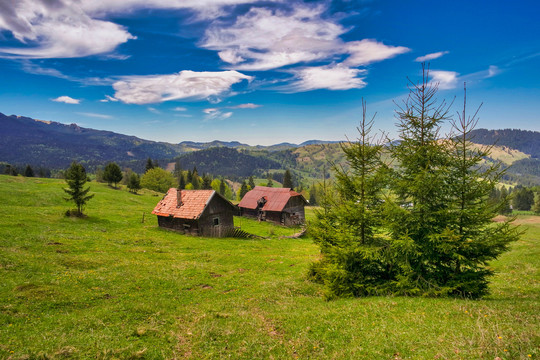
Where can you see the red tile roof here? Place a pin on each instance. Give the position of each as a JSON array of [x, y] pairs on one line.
[[193, 203], [276, 198]]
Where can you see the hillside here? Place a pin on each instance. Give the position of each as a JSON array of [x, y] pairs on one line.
[[110, 286], [51, 144], [525, 141]]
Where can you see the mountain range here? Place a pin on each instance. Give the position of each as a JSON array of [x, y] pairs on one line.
[[54, 145]]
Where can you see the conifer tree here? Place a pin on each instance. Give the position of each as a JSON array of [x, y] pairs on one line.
[[348, 229], [181, 181], [222, 187], [287, 180], [251, 182], [75, 177], [134, 183], [112, 174], [243, 190], [149, 164], [28, 172], [206, 182], [195, 180]]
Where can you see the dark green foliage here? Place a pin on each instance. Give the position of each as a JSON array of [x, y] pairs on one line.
[[28, 172], [523, 199], [10, 170], [195, 180], [75, 177], [206, 182], [434, 235], [349, 227], [523, 140], [149, 165], [134, 183], [243, 190], [287, 180], [536, 206], [251, 182], [270, 183], [222, 187], [181, 181], [112, 174], [227, 162]]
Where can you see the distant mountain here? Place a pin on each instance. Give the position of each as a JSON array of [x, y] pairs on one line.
[[523, 140], [216, 143], [50, 144]]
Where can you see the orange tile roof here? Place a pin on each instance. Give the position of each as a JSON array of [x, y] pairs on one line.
[[193, 203], [276, 198]]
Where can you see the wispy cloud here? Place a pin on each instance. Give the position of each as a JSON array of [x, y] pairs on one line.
[[216, 114], [179, 108], [109, 98], [154, 110], [331, 77], [431, 56], [245, 106], [184, 85], [67, 100], [445, 79], [100, 116], [367, 51]]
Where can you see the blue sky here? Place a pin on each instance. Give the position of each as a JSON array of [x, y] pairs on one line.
[[262, 72]]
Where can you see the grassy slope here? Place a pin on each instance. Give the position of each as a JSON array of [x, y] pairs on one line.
[[110, 286]]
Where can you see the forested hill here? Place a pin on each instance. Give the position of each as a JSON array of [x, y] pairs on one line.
[[55, 145], [523, 140]]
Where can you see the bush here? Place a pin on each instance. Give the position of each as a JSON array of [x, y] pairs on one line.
[[158, 179]]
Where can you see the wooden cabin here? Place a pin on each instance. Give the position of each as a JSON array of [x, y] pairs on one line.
[[196, 212], [279, 205]]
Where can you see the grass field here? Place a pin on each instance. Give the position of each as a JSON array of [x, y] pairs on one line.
[[110, 286]]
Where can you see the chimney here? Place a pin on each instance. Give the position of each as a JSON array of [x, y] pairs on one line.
[[178, 197]]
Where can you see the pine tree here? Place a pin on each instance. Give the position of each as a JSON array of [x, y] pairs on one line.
[[523, 199], [181, 181], [75, 177], [505, 208], [251, 182], [287, 180], [270, 183], [149, 164], [112, 174], [134, 183], [195, 180], [222, 187], [471, 238], [243, 190], [206, 182], [28, 172], [348, 229]]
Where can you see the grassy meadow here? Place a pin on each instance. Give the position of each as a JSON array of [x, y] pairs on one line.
[[113, 287]]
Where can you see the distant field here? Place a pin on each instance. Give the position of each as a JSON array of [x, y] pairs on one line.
[[110, 286]]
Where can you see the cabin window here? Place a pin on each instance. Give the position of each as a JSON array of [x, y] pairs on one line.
[[216, 221]]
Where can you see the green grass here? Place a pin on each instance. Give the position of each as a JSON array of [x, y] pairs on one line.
[[110, 286]]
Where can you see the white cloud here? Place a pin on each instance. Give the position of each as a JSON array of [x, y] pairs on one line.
[[265, 39], [67, 100], [368, 51], [109, 98], [216, 114], [445, 79], [245, 106], [57, 29], [493, 71], [184, 85], [431, 56], [179, 108], [101, 116], [331, 77]]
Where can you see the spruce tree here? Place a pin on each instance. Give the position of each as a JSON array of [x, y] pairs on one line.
[[112, 174], [206, 182], [349, 228], [243, 190], [134, 183], [28, 172], [149, 164], [195, 180], [287, 180], [251, 182], [75, 177], [471, 239], [222, 187]]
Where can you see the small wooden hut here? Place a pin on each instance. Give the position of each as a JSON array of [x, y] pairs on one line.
[[196, 212], [279, 205]]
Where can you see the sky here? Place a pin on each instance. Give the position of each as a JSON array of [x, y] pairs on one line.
[[264, 71]]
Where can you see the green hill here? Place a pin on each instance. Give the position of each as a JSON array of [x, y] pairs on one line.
[[110, 286]]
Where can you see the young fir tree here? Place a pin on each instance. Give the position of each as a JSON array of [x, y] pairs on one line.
[[112, 174], [134, 183], [206, 182], [420, 216], [149, 165], [287, 179], [348, 229], [222, 187], [471, 239], [270, 183], [195, 180], [243, 190], [28, 172], [251, 182], [75, 177]]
